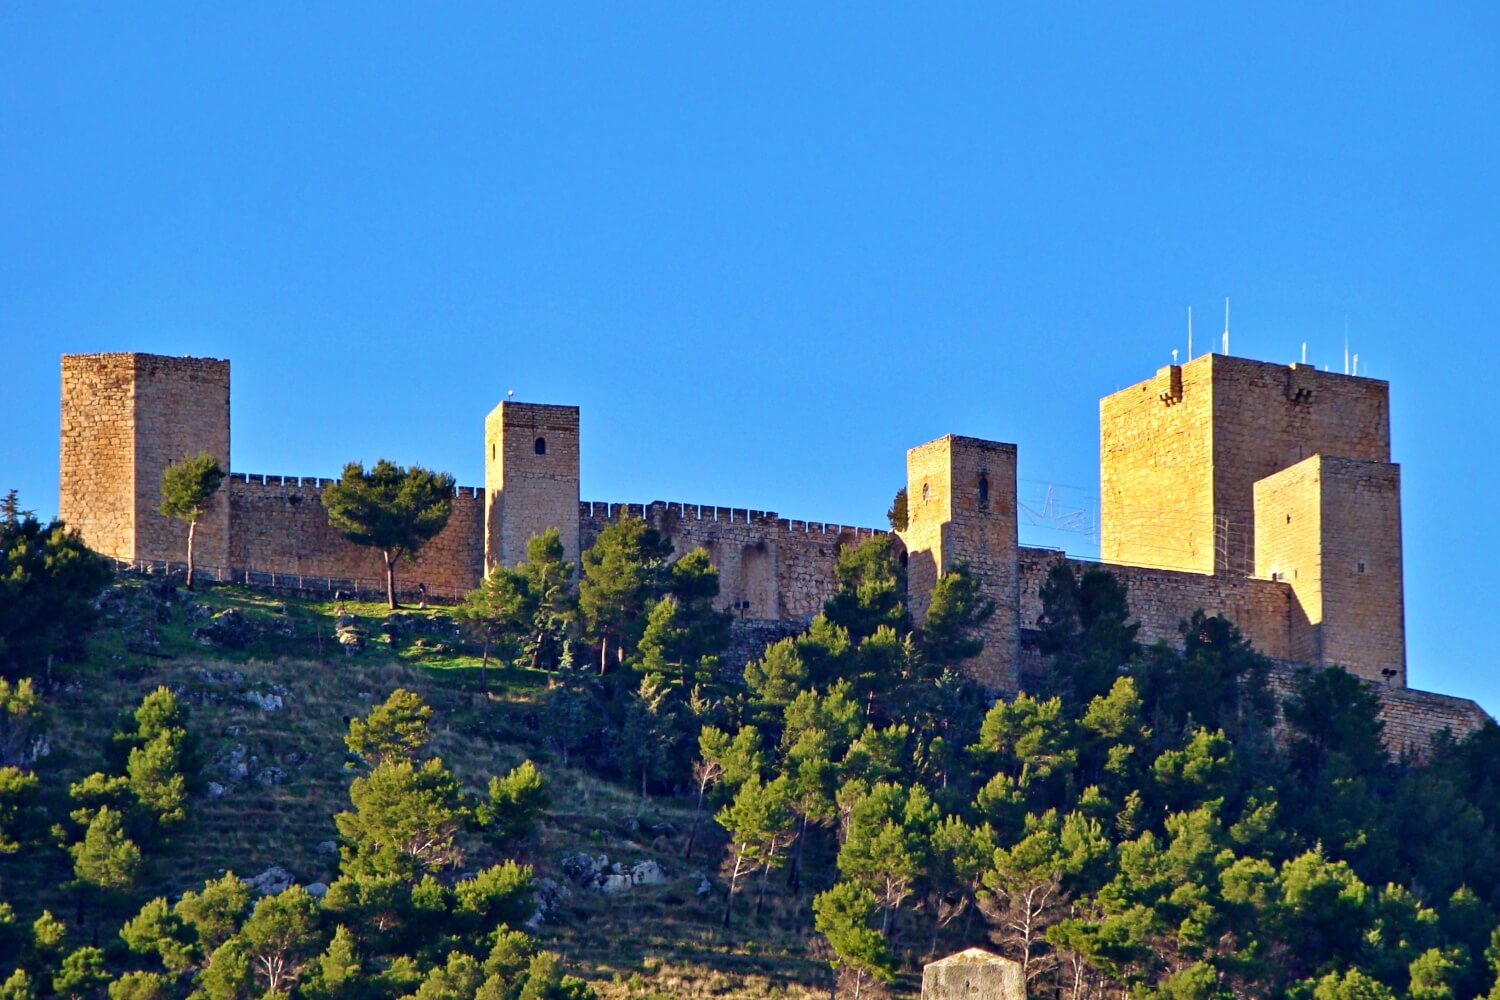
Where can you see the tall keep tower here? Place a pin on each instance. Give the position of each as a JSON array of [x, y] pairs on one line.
[[530, 479], [1234, 467], [124, 418], [961, 507], [1180, 454]]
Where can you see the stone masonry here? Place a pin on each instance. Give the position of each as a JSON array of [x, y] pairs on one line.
[[125, 417], [1258, 491]]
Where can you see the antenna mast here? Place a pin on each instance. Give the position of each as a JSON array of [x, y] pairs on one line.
[[1190, 333], [1226, 324]]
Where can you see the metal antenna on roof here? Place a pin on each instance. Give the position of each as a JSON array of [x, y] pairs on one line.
[[1304, 352], [1190, 333], [1226, 324]]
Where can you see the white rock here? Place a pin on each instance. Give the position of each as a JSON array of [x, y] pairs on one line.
[[265, 702], [612, 884], [647, 873], [273, 880]]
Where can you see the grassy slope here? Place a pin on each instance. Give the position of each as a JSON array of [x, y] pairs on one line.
[[659, 939]]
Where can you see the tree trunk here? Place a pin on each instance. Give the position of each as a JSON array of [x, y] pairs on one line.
[[192, 527], [734, 878], [484, 667], [794, 869], [603, 653], [390, 581], [687, 852]]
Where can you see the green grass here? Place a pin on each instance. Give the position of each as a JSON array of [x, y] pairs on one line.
[[659, 940]]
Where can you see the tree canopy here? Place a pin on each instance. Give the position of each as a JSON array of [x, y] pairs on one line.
[[188, 487], [392, 508]]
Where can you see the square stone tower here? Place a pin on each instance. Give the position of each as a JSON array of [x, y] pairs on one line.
[[124, 418], [1180, 454], [1331, 529], [530, 479], [961, 507]]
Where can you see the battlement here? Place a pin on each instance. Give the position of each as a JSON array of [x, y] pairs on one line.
[[254, 479], [601, 511]]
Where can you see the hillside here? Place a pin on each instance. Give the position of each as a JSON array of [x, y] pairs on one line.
[[271, 714], [1178, 819]]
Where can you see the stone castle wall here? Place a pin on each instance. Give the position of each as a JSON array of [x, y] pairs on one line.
[[278, 524], [769, 567], [1160, 599], [1412, 718]]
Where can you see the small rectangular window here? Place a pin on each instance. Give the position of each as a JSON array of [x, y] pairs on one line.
[[1361, 567]]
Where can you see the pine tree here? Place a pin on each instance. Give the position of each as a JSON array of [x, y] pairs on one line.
[[188, 489], [281, 937], [404, 821], [396, 729], [391, 508], [843, 915], [758, 822], [622, 573]]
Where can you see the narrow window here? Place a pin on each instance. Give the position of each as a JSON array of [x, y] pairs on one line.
[[1361, 567], [1289, 519], [492, 453], [541, 446], [984, 490], [924, 491]]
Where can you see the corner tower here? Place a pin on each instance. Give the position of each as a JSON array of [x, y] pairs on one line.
[[1330, 528], [961, 507], [124, 418], [530, 479]]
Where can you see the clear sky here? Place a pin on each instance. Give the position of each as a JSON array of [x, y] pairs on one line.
[[765, 247]]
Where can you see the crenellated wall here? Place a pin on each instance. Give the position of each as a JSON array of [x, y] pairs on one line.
[[277, 524], [769, 567], [1161, 598]]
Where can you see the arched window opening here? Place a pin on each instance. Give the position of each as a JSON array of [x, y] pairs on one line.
[[541, 446], [925, 491], [984, 490]]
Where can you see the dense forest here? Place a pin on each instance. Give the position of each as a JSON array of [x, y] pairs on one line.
[[1147, 821]]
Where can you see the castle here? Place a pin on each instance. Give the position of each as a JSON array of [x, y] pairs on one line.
[[1261, 492]]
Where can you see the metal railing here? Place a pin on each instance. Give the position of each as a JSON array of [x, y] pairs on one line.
[[354, 589]]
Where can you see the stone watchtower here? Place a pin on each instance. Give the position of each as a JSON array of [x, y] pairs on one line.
[[530, 479], [124, 418], [961, 507], [1233, 467]]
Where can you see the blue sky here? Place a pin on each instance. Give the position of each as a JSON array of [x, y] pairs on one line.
[[766, 248]]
